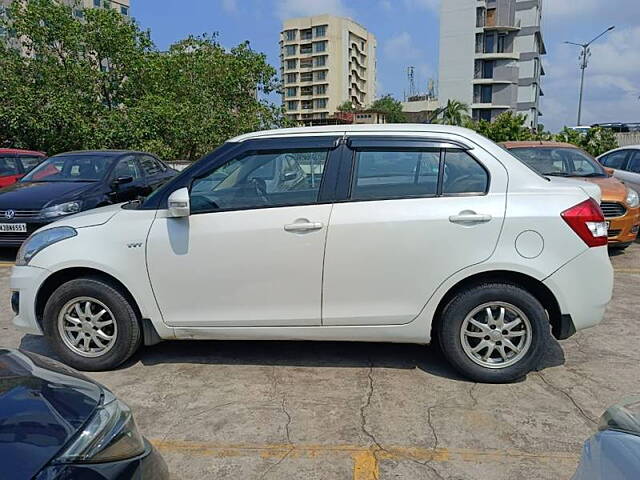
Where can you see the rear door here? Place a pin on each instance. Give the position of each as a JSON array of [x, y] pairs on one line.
[[631, 174], [412, 214]]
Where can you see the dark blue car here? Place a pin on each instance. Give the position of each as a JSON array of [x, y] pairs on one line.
[[55, 423], [75, 181]]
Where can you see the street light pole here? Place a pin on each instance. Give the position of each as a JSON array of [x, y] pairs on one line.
[[584, 63]]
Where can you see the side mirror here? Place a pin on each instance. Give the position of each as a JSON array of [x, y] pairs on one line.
[[122, 181], [610, 171], [178, 203]]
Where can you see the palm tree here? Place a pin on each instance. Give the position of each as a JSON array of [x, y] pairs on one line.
[[454, 112]]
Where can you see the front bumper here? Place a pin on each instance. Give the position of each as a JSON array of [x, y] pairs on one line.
[[624, 229], [583, 288], [25, 283], [15, 239], [149, 465]]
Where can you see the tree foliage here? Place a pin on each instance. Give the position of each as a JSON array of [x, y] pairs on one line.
[[100, 82], [454, 112], [391, 107], [346, 107]]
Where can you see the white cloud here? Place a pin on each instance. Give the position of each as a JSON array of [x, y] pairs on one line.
[[230, 6], [303, 8], [612, 82], [401, 47]]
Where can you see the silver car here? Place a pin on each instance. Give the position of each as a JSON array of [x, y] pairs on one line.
[[625, 162]]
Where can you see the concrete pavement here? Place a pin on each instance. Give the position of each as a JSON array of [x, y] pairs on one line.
[[302, 410]]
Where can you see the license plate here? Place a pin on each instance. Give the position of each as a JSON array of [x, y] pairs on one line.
[[13, 227], [608, 225]]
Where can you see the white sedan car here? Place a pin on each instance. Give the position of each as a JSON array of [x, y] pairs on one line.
[[625, 162], [391, 233]]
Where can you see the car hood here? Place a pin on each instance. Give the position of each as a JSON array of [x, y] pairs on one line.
[[590, 188], [37, 195], [613, 190], [89, 218], [43, 404]]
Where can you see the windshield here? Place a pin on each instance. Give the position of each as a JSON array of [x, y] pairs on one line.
[[70, 168], [559, 161]]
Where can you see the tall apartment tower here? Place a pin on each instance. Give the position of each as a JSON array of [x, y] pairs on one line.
[[490, 56], [326, 61], [122, 6]]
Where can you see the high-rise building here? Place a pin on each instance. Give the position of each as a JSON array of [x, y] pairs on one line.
[[490, 56], [326, 61]]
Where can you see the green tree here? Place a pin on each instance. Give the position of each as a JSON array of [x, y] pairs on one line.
[[454, 112], [100, 83], [391, 107], [596, 141], [346, 107]]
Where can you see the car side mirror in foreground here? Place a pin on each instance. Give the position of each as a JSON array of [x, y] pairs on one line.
[[178, 203]]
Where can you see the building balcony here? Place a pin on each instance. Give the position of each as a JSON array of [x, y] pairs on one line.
[[497, 56], [491, 81], [486, 106]]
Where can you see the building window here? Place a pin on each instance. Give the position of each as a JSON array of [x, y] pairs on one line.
[[292, 77], [96, 3], [502, 40], [321, 30], [124, 10], [106, 4], [489, 43], [319, 46], [306, 63], [485, 115], [306, 34], [487, 68], [479, 42], [321, 103], [480, 17], [486, 93], [290, 50], [321, 61], [307, 104], [306, 77], [304, 49], [306, 91], [321, 75], [292, 105], [290, 35], [321, 89], [292, 91], [291, 64], [78, 13]]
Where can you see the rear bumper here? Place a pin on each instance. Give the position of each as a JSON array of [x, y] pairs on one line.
[[583, 288]]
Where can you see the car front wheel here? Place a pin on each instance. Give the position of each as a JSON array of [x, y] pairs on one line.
[[494, 333], [91, 324]]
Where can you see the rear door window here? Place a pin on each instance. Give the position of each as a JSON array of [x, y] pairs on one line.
[[463, 174], [615, 160], [634, 163], [150, 165], [30, 162], [9, 166]]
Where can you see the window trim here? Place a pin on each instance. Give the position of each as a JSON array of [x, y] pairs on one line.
[[354, 144], [625, 163]]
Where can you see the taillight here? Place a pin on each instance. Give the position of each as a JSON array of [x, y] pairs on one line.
[[587, 220]]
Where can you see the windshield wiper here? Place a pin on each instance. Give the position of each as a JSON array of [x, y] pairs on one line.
[[556, 174], [593, 174]]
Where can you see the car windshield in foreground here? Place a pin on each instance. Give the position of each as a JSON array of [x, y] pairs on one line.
[[71, 168], [559, 161]]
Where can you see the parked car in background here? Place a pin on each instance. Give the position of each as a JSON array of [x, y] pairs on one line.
[[59, 424], [625, 164], [384, 233], [76, 181], [620, 204], [15, 164], [614, 451]]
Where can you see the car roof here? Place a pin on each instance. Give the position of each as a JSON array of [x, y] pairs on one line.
[[102, 153], [14, 151], [537, 144], [626, 147], [395, 128]]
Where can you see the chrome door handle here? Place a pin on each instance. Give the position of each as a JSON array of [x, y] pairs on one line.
[[303, 227], [470, 218]]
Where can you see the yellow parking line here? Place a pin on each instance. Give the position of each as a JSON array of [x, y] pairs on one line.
[[626, 270], [365, 460], [6, 264]]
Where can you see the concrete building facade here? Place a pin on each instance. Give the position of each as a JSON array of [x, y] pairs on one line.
[[490, 56], [326, 61]]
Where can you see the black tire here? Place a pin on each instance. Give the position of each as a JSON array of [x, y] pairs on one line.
[[128, 336], [453, 317]]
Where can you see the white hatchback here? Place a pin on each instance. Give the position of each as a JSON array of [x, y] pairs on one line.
[[384, 233]]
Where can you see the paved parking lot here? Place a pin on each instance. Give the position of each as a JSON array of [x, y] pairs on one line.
[[286, 410]]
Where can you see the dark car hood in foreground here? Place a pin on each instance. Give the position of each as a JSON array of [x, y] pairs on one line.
[[42, 405], [36, 195]]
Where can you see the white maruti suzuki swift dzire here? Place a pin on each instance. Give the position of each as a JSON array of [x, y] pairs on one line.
[[376, 233]]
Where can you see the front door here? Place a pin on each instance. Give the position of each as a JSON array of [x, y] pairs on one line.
[[251, 252], [631, 174], [127, 181], [417, 213]]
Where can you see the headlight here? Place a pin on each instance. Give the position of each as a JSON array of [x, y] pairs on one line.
[[41, 240], [61, 210], [633, 200], [110, 435]]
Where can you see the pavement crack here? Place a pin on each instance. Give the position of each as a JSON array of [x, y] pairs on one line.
[[275, 465], [434, 433], [363, 418], [472, 395], [568, 395], [288, 424]]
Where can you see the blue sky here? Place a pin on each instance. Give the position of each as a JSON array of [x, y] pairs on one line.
[[407, 33]]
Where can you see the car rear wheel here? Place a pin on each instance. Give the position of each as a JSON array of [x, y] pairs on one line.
[[91, 324], [494, 333]]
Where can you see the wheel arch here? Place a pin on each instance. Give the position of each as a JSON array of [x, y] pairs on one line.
[[59, 277], [534, 286]]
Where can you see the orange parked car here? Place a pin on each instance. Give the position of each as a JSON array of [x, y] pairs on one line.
[[620, 204]]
